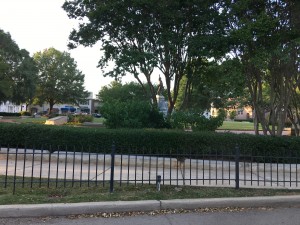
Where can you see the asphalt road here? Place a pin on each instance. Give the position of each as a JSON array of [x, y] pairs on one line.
[[227, 216]]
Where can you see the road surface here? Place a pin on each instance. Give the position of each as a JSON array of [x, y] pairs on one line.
[[227, 216]]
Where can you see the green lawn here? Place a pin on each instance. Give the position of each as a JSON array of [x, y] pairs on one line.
[[227, 125], [42, 120], [98, 120], [27, 120], [67, 194], [233, 125]]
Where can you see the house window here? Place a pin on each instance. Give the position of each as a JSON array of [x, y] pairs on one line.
[[240, 112], [84, 103]]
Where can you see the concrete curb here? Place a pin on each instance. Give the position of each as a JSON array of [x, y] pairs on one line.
[[245, 202], [61, 209]]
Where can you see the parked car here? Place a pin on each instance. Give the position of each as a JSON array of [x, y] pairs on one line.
[[97, 115]]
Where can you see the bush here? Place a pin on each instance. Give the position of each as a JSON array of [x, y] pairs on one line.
[[25, 113], [9, 114], [250, 120], [131, 114], [232, 114], [52, 115], [147, 141], [196, 121], [79, 118]]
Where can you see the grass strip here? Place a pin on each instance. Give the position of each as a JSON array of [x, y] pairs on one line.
[[36, 192]]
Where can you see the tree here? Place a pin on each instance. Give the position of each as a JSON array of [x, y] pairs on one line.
[[265, 38], [25, 80], [117, 91], [141, 35], [59, 79], [18, 73], [211, 83], [127, 106], [9, 59]]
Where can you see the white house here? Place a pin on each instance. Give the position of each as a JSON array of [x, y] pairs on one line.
[[89, 106], [10, 107]]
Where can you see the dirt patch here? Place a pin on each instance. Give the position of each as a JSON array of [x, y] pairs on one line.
[[7, 121]]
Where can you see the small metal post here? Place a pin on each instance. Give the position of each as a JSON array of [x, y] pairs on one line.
[[112, 168], [158, 181], [237, 166]]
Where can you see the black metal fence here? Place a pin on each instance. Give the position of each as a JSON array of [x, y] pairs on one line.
[[22, 167]]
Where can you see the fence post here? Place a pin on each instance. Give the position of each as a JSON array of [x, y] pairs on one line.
[[158, 180], [112, 168], [237, 166]]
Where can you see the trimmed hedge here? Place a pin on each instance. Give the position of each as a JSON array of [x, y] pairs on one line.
[[9, 114], [148, 141]]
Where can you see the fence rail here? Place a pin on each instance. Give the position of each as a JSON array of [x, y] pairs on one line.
[[21, 167]]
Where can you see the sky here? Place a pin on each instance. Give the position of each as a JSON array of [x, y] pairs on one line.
[[39, 24]]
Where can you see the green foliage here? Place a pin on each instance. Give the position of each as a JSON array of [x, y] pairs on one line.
[[265, 39], [25, 113], [206, 82], [155, 34], [79, 118], [122, 92], [131, 114], [196, 121], [127, 106], [8, 57], [18, 73], [232, 114], [59, 79], [25, 80], [146, 141], [9, 114]]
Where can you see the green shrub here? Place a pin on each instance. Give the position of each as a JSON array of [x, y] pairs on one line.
[[9, 114], [25, 113], [232, 114], [131, 114], [147, 141], [79, 118], [196, 121], [52, 115]]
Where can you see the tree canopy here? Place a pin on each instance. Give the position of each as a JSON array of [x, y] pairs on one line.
[[127, 92], [259, 39], [18, 73], [265, 37], [59, 79], [211, 83], [139, 36]]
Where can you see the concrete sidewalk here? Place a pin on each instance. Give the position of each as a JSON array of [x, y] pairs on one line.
[[96, 168], [60, 209]]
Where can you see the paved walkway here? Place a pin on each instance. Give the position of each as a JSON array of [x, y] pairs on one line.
[[66, 165], [137, 169]]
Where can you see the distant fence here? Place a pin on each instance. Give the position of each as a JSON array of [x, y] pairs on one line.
[[22, 167]]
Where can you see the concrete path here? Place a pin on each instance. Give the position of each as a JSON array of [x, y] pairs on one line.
[[138, 169], [66, 165]]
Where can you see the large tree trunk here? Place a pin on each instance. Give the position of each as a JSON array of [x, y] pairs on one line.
[[254, 84], [187, 95], [255, 122], [51, 104]]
